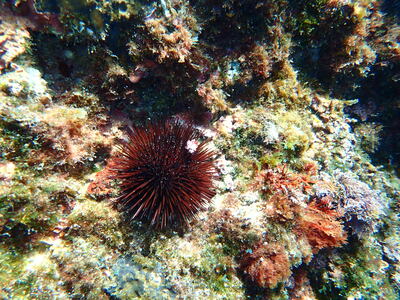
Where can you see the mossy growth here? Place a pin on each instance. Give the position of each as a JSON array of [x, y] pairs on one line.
[[369, 136], [249, 142], [228, 24], [32, 204], [97, 221], [285, 91], [316, 18], [356, 271], [217, 268], [233, 243], [89, 20], [205, 267], [32, 201], [16, 141], [11, 272], [270, 139], [140, 277], [297, 133], [309, 16], [82, 266], [272, 160], [28, 271]]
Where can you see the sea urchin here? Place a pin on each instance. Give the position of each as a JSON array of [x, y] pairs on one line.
[[166, 175]]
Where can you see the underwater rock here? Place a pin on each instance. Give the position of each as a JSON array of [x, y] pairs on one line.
[[362, 206], [307, 186], [14, 37], [134, 281]]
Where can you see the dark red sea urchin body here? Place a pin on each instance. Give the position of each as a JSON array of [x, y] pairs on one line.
[[164, 177]]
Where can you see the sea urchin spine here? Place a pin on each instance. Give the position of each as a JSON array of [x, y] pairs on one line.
[[166, 177]]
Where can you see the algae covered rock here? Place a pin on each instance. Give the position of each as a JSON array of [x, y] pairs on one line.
[[297, 101]]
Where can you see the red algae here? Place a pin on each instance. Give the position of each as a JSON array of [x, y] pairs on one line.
[[266, 265], [321, 227]]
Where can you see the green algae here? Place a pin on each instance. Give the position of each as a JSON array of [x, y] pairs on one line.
[[207, 266], [35, 203], [355, 272], [16, 141]]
